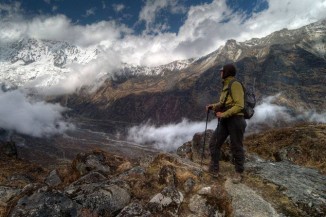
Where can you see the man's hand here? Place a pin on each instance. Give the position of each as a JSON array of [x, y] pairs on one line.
[[219, 114], [209, 107]]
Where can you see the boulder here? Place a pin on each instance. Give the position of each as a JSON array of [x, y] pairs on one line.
[[45, 203], [185, 150], [53, 179], [193, 149], [199, 206], [95, 193], [99, 161], [7, 193], [211, 201], [167, 202], [167, 176], [91, 162], [134, 209], [189, 185]]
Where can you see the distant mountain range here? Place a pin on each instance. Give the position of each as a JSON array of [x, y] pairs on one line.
[[291, 62]]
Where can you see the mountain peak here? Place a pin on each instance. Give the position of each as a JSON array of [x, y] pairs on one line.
[[29, 59]]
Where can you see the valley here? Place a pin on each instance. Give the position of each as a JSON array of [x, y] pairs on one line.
[[89, 134]]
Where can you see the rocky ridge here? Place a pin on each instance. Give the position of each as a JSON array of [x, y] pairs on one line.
[[98, 183]]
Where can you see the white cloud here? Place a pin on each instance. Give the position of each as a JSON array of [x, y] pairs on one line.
[[60, 28], [10, 9], [168, 137], [152, 8], [118, 7], [24, 116], [90, 12], [91, 74]]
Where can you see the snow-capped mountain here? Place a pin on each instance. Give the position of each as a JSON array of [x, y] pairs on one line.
[[44, 62], [157, 70], [311, 38], [31, 62]]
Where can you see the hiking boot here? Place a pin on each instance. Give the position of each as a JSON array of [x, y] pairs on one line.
[[237, 178]]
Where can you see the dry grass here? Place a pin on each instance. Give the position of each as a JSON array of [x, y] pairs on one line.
[[12, 166], [305, 145], [24, 171]]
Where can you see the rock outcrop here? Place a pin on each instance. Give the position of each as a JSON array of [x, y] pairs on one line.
[[101, 184]]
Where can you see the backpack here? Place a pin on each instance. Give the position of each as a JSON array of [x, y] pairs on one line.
[[249, 99]]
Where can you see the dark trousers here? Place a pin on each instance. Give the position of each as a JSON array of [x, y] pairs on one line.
[[234, 127]]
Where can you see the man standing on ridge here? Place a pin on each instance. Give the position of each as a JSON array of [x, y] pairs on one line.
[[231, 123]]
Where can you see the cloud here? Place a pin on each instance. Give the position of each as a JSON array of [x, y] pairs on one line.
[[313, 116], [92, 74], [60, 28], [168, 137], [152, 9], [10, 9], [34, 118], [118, 7], [54, 8], [267, 115], [90, 12]]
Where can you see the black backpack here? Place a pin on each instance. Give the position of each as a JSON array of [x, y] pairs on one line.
[[249, 99]]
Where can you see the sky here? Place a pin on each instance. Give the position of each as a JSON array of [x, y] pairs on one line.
[[148, 32]]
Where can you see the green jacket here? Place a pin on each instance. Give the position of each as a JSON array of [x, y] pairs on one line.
[[235, 103]]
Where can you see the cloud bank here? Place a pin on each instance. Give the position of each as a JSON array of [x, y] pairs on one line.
[[168, 137], [267, 115], [91, 75], [28, 117]]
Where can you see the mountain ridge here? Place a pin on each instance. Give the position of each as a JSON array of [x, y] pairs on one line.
[[285, 68], [55, 56]]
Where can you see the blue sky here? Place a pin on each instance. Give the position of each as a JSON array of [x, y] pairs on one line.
[[153, 32], [134, 13]]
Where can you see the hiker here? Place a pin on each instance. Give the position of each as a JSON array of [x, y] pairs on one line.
[[230, 123]]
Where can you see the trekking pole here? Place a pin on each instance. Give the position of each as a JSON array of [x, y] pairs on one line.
[[203, 149]]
